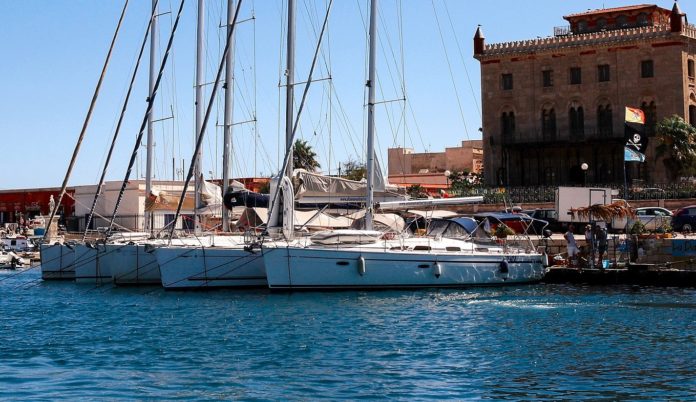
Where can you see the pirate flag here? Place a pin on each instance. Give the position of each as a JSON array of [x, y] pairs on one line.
[[634, 130]]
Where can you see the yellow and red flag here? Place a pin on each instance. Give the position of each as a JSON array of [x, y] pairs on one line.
[[635, 115]]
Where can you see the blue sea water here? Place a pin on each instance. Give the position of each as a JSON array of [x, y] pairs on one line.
[[548, 342]]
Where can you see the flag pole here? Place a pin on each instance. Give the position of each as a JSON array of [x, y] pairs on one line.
[[625, 197]]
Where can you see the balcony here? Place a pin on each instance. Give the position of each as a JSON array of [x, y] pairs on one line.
[[562, 31]]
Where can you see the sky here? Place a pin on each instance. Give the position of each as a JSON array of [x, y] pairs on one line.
[[428, 82]]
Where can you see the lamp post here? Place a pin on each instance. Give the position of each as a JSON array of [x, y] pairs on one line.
[[584, 168], [447, 176]]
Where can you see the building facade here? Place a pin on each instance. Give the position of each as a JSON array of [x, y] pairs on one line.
[[23, 204], [554, 105], [406, 168]]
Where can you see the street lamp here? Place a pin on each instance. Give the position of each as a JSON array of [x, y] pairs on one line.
[[447, 176], [584, 168]]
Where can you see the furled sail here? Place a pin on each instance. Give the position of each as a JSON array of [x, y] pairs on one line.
[[210, 198]]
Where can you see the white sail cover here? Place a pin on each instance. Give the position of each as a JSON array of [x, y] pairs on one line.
[[254, 217], [392, 222], [317, 185], [379, 182], [210, 198]]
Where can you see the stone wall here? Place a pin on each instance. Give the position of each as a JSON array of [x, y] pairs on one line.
[[530, 157]]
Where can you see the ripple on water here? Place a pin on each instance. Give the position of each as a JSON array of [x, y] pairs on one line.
[[61, 341]]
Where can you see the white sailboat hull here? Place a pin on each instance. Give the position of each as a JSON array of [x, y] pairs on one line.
[[121, 264], [57, 262], [344, 268], [89, 267], [130, 264], [209, 267]]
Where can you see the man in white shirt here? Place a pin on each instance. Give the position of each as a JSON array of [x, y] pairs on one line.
[[572, 246]]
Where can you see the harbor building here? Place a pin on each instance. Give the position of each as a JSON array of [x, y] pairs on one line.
[[19, 205], [554, 105], [428, 169]]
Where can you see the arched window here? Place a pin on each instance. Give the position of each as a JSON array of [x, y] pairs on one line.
[[643, 19], [605, 123], [548, 124], [582, 26], [501, 176], [650, 112], [507, 125], [690, 68], [576, 116], [692, 115], [550, 176], [601, 23], [621, 21]]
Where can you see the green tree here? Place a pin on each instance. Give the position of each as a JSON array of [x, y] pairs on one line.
[[677, 145], [417, 191], [303, 157], [353, 170], [464, 183]]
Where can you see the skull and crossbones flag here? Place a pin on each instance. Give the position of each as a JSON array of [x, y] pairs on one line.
[[634, 133]]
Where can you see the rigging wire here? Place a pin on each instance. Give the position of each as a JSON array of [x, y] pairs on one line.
[[280, 77], [120, 121], [206, 117], [255, 127], [150, 104], [87, 118], [288, 152], [176, 113], [449, 65], [461, 56]]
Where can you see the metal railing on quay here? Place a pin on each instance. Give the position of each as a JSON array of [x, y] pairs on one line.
[[547, 193]]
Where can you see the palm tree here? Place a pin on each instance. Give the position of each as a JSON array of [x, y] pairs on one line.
[[303, 157], [677, 144]]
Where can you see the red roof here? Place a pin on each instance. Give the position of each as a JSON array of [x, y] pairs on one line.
[[612, 10]]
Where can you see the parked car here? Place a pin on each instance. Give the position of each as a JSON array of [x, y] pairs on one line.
[[653, 218], [684, 220]]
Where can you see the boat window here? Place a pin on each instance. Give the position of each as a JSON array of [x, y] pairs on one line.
[[437, 227], [453, 248], [455, 231], [421, 248]]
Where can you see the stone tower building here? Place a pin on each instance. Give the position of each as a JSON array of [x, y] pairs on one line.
[[552, 104]]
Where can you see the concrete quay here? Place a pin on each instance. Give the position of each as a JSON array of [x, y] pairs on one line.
[[650, 262]]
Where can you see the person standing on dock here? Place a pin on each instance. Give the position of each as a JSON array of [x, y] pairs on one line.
[[601, 237], [572, 246]]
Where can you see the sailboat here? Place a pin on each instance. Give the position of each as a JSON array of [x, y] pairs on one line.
[[219, 260], [120, 257], [58, 259], [349, 259]]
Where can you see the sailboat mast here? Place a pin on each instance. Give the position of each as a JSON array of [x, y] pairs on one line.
[[200, 76], [229, 112], [289, 84], [150, 133], [371, 87]]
